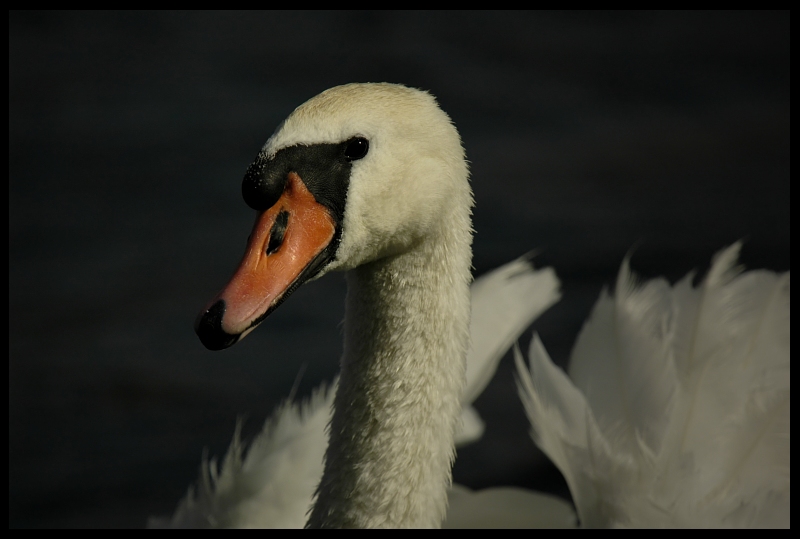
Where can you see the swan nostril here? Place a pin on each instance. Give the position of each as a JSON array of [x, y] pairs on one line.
[[278, 232]]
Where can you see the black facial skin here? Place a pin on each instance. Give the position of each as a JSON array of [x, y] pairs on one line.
[[325, 171]]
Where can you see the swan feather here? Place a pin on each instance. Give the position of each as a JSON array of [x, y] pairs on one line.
[[676, 411]]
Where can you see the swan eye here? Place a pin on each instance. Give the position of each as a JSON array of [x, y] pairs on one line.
[[356, 148]]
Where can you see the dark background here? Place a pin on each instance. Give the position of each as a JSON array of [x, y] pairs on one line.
[[129, 133]]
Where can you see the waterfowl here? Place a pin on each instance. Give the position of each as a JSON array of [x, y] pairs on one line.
[[370, 179]]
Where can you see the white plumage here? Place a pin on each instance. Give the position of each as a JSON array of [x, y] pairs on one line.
[[676, 409], [677, 413]]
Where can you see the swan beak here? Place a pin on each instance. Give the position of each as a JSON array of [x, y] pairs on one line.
[[290, 243]]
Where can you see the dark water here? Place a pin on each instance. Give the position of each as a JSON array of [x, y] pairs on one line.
[[129, 133]]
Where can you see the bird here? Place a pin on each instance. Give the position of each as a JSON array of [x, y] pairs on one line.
[[370, 179], [675, 411]]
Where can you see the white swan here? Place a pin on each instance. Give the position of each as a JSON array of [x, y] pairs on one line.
[[371, 179], [676, 411]]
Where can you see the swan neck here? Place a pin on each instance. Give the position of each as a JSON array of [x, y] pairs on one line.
[[390, 455]]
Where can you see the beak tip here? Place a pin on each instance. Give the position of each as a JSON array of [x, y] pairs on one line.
[[208, 327]]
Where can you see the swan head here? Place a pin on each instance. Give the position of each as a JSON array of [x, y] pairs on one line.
[[358, 173]]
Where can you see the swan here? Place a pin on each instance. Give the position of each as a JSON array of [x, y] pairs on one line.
[[370, 179], [675, 412]]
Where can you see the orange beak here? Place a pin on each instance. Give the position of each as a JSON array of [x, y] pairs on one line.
[[288, 246]]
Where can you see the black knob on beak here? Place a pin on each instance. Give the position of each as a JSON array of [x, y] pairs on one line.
[[263, 184]]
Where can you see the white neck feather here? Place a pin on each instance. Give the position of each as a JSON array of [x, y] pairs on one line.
[[389, 459]]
